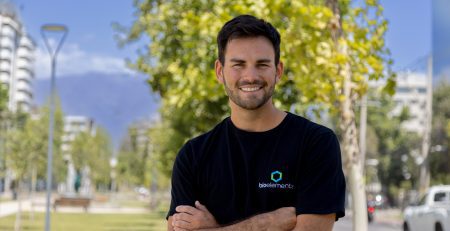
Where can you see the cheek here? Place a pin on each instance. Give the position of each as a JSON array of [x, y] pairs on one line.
[[232, 74]]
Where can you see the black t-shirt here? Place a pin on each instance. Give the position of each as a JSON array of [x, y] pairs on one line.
[[237, 174]]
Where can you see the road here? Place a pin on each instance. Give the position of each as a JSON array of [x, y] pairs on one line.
[[345, 224]]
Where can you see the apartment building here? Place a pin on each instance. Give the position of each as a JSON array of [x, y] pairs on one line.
[[16, 59]]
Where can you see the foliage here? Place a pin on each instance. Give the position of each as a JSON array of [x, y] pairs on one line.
[[139, 160], [92, 149], [27, 144], [3, 99], [392, 145], [133, 158], [440, 136], [180, 56]]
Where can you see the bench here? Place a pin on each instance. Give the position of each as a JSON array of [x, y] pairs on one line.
[[72, 201]]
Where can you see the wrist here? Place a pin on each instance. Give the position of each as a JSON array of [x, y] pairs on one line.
[[261, 221]]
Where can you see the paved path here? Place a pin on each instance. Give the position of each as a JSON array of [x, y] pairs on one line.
[[38, 205], [385, 220], [11, 207], [346, 225]]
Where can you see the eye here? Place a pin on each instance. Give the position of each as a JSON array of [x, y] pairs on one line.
[[238, 65], [263, 65]]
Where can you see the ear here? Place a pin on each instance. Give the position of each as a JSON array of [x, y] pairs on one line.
[[280, 69], [219, 71]]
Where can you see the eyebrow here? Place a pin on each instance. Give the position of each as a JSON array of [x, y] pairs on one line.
[[236, 60], [264, 61]]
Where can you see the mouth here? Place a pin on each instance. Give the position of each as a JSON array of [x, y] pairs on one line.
[[250, 88]]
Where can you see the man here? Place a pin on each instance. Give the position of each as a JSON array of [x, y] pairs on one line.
[[261, 168]]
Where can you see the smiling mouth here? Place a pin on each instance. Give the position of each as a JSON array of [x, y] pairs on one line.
[[250, 89]]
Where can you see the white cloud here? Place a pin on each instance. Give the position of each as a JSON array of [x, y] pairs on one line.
[[72, 60]]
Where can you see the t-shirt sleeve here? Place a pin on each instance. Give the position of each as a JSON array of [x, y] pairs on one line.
[[321, 182], [183, 180]]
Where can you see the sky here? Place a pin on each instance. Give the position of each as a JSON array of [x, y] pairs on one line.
[[441, 38], [90, 45]]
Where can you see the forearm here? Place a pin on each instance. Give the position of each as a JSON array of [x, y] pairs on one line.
[[253, 223], [270, 221]]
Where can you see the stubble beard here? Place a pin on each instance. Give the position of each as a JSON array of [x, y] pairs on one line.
[[251, 103]]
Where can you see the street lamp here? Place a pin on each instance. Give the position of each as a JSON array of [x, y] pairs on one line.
[[54, 29], [113, 164]]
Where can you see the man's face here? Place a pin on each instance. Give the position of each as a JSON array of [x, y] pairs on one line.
[[249, 74]]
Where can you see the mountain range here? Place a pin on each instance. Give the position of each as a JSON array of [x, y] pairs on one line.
[[112, 101]]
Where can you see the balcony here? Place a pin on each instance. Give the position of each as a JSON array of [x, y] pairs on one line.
[[5, 54], [4, 77], [24, 75], [8, 31], [21, 96], [24, 87], [26, 43], [7, 42], [24, 64], [25, 53], [5, 67]]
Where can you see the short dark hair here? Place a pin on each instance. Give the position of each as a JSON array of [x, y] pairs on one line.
[[244, 26]]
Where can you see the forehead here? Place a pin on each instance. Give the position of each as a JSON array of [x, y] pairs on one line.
[[250, 47]]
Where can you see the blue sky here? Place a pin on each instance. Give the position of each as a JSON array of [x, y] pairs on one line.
[[90, 45]]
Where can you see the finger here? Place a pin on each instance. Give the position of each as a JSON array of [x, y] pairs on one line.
[[181, 224], [179, 229], [186, 209], [201, 207], [185, 217]]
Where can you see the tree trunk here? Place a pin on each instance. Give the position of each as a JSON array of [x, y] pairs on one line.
[[353, 163], [424, 177], [33, 189], [352, 158], [18, 222]]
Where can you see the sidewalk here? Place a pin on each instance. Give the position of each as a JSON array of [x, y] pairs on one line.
[[389, 216], [392, 216], [39, 205]]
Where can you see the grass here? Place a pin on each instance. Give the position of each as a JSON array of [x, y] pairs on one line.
[[154, 221], [134, 204]]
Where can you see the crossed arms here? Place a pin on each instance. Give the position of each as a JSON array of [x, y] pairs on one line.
[[190, 218]]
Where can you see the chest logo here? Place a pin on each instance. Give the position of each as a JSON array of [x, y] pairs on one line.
[[276, 176]]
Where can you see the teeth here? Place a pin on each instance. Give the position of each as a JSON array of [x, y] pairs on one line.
[[250, 88]]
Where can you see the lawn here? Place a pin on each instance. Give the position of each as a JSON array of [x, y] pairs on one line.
[[91, 222]]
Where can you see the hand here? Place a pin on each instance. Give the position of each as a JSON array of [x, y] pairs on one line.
[[282, 219], [190, 218]]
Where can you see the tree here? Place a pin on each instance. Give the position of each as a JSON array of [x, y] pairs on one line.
[[392, 145], [93, 150], [3, 126], [3, 99], [28, 140], [133, 156], [439, 157], [26, 148], [139, 160], [330, 49]]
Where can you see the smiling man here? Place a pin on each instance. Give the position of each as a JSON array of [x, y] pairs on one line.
[[261, 168]]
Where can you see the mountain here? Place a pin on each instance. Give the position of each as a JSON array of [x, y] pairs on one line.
[[113, 101]]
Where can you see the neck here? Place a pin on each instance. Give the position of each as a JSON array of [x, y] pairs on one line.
[[262, 119]]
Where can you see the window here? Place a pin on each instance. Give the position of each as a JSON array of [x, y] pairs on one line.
[[423, 200], [439, 196], [422, 90], [403, 90]]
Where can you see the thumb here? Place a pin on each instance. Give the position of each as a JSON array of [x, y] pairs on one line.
[[200, 206]]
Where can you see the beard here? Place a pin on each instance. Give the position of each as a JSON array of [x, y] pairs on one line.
[[253, 101]]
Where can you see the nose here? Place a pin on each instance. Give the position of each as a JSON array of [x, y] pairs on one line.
[[250, 75]]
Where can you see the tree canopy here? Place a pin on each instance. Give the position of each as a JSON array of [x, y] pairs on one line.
[[179, 52]]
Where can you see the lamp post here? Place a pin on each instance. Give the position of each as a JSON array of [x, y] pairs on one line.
[[113, 164], [55, 29]]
